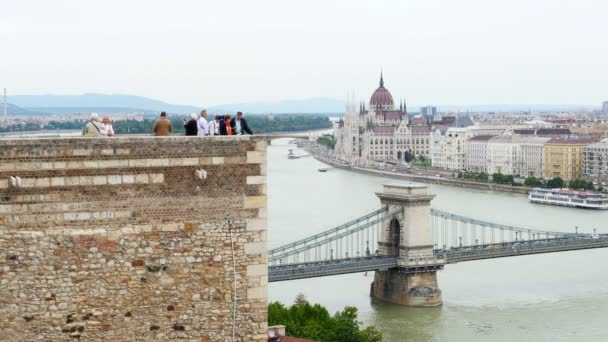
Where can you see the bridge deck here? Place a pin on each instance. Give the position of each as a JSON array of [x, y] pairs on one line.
[[456, 255], [329, 267]]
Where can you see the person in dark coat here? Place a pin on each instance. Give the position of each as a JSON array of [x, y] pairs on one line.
[[225, 126], [191, 125], [239, 125]]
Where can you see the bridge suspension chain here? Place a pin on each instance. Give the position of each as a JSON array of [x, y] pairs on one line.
[[455, 231], [358, 238]]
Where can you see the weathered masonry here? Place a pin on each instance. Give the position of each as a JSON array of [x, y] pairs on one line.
[[134, 238]]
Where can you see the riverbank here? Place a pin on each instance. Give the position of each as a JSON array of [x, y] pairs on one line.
[[418, 178]]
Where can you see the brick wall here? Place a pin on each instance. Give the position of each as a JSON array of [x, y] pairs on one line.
[[118, 239]]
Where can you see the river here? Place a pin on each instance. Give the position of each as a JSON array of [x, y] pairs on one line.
[[550, 297]]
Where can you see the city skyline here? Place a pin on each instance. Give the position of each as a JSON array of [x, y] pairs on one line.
[[211, 54]]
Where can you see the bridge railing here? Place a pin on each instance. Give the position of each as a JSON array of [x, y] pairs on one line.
[[453, 230], [357, 238]]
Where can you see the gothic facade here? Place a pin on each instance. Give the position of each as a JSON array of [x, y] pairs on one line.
[[382, 132]]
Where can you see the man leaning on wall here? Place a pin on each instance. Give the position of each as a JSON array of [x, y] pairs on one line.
[[162, 126]]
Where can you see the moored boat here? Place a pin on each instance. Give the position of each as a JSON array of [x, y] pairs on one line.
[[569, 198]]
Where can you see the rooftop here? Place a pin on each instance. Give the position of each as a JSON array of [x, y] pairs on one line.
[[573, 141]]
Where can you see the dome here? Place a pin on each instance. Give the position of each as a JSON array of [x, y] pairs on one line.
[[382, 97]]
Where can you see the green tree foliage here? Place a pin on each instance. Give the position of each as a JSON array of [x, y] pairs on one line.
[[306, 320], [327, 140], [533, 182], [581, 184], [257, 123], [502, 179], [474, 176], [556, 182]]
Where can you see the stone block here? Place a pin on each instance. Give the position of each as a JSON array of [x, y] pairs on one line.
[[59, 165], [156, 178], [257, 293], [137, 162], [128, 179], [72, 181], [256, 180], [107, 152], [86, 180], [58, 181], [256, 157], [255, 248], [91, 164], [217, 160], [142, 178], [261, 146], [252, 202], [256, 224], [81, 152], [100, 180], [3, 183], [190, 161], [257, 270], [44, 182], [114, 179]]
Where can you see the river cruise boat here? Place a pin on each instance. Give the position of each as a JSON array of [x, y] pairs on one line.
[[569, 198]]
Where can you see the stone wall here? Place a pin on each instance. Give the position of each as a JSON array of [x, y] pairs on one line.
[[118, 239]]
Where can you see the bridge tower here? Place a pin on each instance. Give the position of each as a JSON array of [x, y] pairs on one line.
[[408, 237]]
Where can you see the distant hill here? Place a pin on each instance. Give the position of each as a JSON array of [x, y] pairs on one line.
[[16, 110], [312, 105], [120, 103], [97, 102]]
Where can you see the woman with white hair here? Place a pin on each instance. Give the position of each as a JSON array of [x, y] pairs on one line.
[[191, 125], [93, 127]]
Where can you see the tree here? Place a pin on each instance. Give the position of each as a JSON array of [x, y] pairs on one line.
[[314, 322], [482, 176], [581, 184], [533, 182], [556, 182], [300, 299]]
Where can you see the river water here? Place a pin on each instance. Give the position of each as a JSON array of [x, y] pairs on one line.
[[550, 297]]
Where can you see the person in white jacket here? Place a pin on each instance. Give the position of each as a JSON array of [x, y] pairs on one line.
[[203, 126], [214, 126]]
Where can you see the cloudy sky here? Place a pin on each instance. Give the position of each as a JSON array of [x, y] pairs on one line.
[[213, 52]]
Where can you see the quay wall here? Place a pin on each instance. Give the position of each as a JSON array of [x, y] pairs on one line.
[[425, 179], [121, 239]]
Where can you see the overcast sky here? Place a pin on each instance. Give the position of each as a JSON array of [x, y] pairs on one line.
[[213, 52]]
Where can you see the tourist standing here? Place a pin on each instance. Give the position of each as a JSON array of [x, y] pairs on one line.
[[239, 125], [191, 125], [203, 125], [214, 125], [93, 127], [225, 128], [162, 126], [107, 129]]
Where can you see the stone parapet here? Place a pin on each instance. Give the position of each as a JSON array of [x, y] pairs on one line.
[[119, 239]]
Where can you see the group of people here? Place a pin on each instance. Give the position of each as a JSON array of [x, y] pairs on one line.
[[98, 128], [220, 125]]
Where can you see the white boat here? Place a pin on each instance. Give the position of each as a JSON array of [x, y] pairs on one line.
[[569, 198]]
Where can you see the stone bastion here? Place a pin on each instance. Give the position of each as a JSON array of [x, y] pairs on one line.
[[133, 238]]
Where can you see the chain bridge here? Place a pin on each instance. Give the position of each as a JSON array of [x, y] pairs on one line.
[[406, 243]]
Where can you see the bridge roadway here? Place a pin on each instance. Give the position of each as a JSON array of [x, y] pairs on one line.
[[450, 256], [489, 251]]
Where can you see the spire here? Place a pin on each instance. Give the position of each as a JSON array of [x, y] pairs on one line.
[[405, 106], [381, 79], [401, 105]]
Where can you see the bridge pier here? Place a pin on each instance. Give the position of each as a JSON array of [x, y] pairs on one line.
[[408, 237]]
